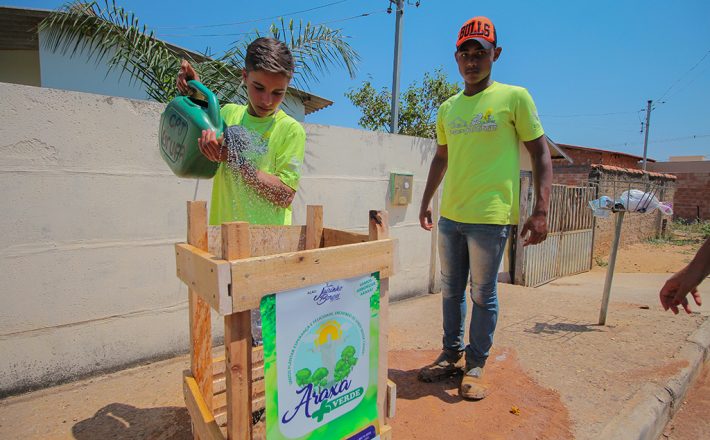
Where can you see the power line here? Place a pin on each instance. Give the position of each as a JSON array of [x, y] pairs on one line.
[[683, 138], [232, 34], [682, 76], [364, 14], [200, 26], [586, 115], [684, 86]]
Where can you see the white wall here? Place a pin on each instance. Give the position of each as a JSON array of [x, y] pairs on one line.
[[81, 74], [92, 212], [90, 216], [347, 171]]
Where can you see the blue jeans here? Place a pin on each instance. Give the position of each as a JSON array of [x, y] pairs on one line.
[[476, 249]]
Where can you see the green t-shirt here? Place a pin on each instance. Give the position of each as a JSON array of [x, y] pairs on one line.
[[278, 146], [483, 132]]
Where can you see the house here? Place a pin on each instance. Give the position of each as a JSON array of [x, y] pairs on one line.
[[691, 200], [576, 170], [24, 59], [611, 173]]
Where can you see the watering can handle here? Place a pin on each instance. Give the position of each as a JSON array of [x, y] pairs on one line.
[[212, 102]]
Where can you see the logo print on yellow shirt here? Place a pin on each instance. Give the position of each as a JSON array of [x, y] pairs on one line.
[[480, 122]]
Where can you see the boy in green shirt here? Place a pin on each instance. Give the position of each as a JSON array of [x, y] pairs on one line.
[[478, 131], [259, 186], [263, 186]]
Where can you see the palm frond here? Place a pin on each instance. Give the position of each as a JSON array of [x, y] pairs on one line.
[[106, 32], [315, 49]]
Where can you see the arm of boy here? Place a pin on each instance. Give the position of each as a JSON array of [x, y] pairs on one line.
[[536, 224], [437, 170], [212, 147], [268, 186], [185, 74], [280, 187]]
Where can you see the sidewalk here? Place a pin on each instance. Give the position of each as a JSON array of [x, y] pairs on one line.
[[566, 376]]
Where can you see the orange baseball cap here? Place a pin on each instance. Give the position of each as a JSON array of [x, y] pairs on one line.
[[480, 29]]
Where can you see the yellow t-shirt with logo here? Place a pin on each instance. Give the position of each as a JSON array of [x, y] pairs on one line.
[[483, 132], [278, 144]]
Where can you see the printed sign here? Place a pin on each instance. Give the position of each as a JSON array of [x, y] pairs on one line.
[[321, 360]]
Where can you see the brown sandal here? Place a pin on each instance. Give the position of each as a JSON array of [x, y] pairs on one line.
[[445, 366], [472, 385]]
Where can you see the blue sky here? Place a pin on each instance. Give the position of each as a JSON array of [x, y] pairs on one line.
[[590, 66]]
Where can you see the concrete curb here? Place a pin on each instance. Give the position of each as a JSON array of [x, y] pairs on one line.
[[648, 411]]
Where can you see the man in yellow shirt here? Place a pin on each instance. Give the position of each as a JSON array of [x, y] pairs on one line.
[[478, 131]]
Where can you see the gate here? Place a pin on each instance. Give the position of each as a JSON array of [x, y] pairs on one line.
[[570, 238]]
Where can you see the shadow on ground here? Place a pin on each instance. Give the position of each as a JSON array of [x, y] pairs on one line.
[[126, 422], [562, 327], [411, 388]]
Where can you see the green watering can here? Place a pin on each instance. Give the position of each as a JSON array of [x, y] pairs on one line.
[[181, 124]]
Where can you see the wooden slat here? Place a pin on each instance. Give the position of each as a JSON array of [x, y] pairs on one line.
[[270, 240], [252, 278], [203, 422], [257, 393], [264, 240], [220, 414], [314, 226], [206, 275], [386, 432], [219, 383], [379, 232], [391, 399], [257, 360], [259, 431], [336, 237], [237, 344], [199, 310]]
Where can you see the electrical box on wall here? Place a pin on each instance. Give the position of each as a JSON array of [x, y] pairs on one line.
[[401, 188]]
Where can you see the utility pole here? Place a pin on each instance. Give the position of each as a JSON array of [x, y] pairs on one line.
[[397, 59], [645, 141]]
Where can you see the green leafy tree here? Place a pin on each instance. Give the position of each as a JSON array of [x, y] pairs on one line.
[[106, 31], [418, 105], [345, 364], [303, 377], [320, 377]]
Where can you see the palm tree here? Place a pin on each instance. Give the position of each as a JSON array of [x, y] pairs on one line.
[[108, 32]]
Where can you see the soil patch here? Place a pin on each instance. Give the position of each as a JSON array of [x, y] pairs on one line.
[[435, 410], [649, 258]]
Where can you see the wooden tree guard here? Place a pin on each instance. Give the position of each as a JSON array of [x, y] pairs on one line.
[[231, 273]]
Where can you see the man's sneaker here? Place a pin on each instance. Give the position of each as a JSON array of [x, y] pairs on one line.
[[472, 385], [447, 364]]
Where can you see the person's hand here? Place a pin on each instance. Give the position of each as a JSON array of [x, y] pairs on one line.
[[535, 229], [211, 146], [425, 218], [675, 292], [185, 74]]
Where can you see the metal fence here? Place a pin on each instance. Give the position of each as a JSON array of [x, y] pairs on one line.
[[568, 248]]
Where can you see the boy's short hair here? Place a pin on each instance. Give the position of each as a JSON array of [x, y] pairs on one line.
[[269, 54]]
